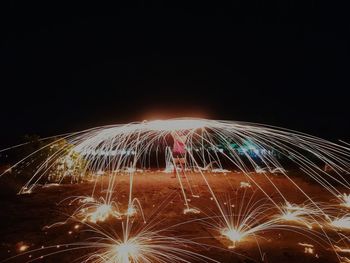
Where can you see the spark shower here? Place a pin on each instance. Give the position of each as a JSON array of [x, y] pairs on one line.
[[211, 150]]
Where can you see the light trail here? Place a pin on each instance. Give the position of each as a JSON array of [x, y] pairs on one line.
[[110, 152]]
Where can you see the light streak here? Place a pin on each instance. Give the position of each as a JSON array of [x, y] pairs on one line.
[[212, 147], [96, 210], [142, 245], [342, 222], [345, 199], [305, 214], [243, 219], [191, 211]]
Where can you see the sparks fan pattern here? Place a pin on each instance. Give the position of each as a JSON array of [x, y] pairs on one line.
[[210, 147]]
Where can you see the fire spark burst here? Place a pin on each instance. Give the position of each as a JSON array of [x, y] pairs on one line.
[[305, 214], [143, 246], [111, 153]]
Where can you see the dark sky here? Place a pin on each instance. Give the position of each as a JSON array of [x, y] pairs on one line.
[[284, 63]]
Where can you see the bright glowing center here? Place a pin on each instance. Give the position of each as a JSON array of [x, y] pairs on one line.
[[289, 216], [23, 248], [343, 222], [233, 235], [293, 212], [130, 211], [297, 214], [101, 213], [174, 125], [346, 200], [125, 252]]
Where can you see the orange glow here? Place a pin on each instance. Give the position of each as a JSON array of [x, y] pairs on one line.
[[176, 124], [23, 247]]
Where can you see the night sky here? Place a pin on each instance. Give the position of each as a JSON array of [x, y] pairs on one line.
[[282, 63]]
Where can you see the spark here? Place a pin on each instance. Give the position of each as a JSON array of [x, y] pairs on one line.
[[176, 125], [142, 245], [305, 244], [95, 211], [26, 190], [345, 200], [308, 248], [100, 150], [342, 250], [342, 222], [191, 211], [234, 235], [245, 218], [50, 185], [304, 214], [245, 185], [101, 213], [133, 243], [88, 199], [211, 146], [126, 252], [131, 211], [220, 170], [345, 260], [23, 248]]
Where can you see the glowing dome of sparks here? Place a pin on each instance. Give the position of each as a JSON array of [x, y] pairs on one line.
[[189, 163], [176, 124]]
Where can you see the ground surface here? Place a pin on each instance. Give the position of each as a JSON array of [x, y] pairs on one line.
[[24, 217]]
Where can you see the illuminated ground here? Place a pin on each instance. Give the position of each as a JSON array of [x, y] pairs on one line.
[[23, 217]]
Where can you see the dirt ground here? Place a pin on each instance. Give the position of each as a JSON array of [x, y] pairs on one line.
[[24, 217]]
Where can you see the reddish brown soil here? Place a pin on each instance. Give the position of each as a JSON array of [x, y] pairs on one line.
[[24, 216]]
